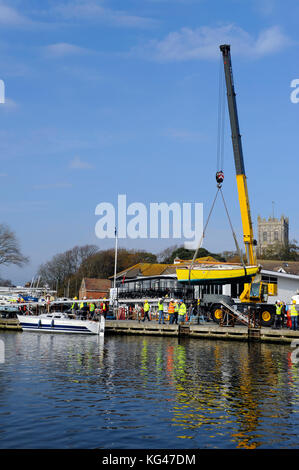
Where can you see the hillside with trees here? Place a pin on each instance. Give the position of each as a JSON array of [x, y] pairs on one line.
[[65, 271]]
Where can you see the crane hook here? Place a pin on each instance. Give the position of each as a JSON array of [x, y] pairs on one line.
[[219, 178]]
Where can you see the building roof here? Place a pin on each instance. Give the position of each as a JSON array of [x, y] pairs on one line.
[[96, 285], [146, 270], [288, 267]]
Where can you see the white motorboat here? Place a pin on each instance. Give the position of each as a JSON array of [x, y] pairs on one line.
[[57, 322]]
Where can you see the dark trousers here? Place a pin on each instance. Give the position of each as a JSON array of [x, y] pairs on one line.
[[294, 322], [277, 321], [146, 316]]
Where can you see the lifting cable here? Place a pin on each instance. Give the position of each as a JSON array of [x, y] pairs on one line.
[[233, 232], [219, 189], [204, 231]]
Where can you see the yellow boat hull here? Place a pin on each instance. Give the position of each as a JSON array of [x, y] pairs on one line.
[[217, 275]]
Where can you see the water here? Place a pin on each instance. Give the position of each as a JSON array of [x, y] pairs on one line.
[[131, 392]]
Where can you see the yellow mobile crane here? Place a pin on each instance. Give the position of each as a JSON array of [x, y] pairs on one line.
[[257, 291]]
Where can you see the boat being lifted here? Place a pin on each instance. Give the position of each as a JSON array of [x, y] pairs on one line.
[[215, 273]]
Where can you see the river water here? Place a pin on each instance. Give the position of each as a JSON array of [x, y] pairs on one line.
[[132, 392]]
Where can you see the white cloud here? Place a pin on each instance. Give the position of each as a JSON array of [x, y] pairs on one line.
[[63, 49], [79, 164], [93, 11], [203, 43], [10, 16]]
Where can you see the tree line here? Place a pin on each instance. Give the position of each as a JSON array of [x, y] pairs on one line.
[[65, 271]]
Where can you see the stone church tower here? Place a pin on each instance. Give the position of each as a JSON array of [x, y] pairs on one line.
[[272, 231]]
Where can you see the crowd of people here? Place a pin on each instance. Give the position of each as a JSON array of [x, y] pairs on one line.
[[89, 309], [286, 315], [175, 311]]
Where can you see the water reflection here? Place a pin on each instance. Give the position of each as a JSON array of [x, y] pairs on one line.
[[146, 392], [237, 388]]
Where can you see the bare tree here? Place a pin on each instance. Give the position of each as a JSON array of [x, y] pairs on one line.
[[10, 252], [64, 265]]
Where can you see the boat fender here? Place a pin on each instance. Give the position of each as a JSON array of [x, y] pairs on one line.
[[52, 323], [39, 323]]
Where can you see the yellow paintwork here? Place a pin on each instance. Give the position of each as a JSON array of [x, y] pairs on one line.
[[246, 219], [272, 289], [204, 273]]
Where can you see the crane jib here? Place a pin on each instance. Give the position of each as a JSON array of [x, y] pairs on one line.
[[238, 157], [232, 108]]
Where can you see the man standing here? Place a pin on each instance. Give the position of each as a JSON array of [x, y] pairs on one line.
[[294, 316], [171, 311], [176, 312], [161, 311], [74, 306], [91, 309], [278, 313], [146, 309], [182, 311]]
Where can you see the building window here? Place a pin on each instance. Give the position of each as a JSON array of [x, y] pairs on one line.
[[264, 236], [275, 236]]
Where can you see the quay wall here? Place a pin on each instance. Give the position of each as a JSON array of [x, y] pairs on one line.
[[205, 331]]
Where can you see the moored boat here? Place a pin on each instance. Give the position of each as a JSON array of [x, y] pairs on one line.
[[57, 322]]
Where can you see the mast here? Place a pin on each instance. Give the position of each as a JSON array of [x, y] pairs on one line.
[[238, 156]]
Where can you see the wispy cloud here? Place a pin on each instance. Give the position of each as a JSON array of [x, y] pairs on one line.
[[9, 105], [63, 49], [203, 43], [79, 164], [183, 135], [11, 17], [91, 10], [53, 186]]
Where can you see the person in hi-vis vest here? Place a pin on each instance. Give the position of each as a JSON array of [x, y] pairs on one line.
[[182, 311], [146, 309], [294, 316]]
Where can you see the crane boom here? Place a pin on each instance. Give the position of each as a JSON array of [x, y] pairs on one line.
[[238, 156]]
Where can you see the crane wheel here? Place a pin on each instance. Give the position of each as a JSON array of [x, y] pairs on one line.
[[267, 317], [217, 314]]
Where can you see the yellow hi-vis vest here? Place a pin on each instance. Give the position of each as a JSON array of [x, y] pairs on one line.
[[146, 307], [160, 306], [278, 309], [92, 307], [176, 307], [294, 312], [182, 309]]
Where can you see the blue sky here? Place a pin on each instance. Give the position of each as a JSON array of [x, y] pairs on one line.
[[108, 97]]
